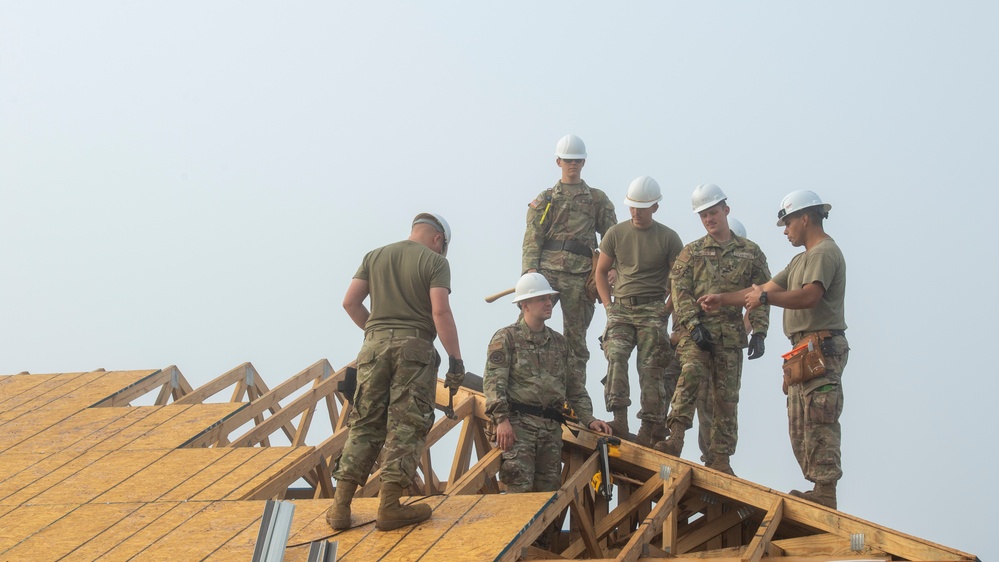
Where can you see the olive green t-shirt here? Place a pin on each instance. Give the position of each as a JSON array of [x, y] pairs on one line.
[[399, 278], [643, 258], [825, 264]]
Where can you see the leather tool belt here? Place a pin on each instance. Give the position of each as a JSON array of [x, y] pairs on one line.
[[807, 360]]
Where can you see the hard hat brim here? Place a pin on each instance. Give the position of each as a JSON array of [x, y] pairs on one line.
[[825, 207], [532, 295], [641, 204]]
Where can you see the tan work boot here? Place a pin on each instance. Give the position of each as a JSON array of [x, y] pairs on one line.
[[392, 514], [823, 494], [646, 434], [674, 444], [620, 423], [721, 464], [338, 515]]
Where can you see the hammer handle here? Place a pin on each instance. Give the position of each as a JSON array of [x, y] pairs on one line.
[[500, 294]]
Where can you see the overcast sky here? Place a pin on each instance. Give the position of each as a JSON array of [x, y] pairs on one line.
[[195, 183]]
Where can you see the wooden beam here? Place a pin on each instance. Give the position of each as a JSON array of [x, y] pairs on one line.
[[710, 529], [649, 491], [758, 546], [673, 490], [462, 453], [472, 481], [585, 524], [571, 489]]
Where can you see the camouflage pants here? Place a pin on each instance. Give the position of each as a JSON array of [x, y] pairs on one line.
[[577, 311], [534, 463], [393, 409], [813, 410], [721, 370], [642, 326], [704, 409]]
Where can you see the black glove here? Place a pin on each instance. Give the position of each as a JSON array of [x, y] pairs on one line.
[[455, 374], [756, 346], [702, 337]]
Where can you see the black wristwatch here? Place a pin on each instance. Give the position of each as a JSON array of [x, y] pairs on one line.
[[763, 297]]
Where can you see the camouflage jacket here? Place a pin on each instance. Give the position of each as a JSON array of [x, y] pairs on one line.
[[705, 266], [565, 212], [532, 369]]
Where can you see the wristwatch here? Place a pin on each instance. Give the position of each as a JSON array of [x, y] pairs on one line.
[[763, 297]]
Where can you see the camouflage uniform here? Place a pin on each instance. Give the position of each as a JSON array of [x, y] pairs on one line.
[[814, 407], [397, 365], [393, 408], [705, 266], [638, 315], [576, 214], [704, 400], [532, 369]]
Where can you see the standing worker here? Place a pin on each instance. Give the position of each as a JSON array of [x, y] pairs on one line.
[[704, 394], [409, 283], [644, 251], [562, 227], [529, 376], [812, 291], [711, 344]]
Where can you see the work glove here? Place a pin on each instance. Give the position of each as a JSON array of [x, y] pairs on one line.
[[455, 374], [756, 346], [702, 337]]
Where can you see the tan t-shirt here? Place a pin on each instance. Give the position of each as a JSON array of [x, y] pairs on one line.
[[643, 258], [399, 277], [825, 264]]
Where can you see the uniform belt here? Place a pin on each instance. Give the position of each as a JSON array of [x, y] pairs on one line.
[[635, 301], [398, 333], [547, 413], [569, 246], [798, 336]]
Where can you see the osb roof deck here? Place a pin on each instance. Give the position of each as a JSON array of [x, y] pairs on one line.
[[85, 475]]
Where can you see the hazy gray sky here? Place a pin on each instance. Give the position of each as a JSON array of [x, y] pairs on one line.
[[195, 183]]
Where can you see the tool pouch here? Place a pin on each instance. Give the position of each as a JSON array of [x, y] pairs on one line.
[[591, 280], [806, 361]]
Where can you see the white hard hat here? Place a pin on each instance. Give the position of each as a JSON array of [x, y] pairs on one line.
[[439, 224], [798, 200], [706, 195], [643, 193], [532, 285], [736, 227], [571, 147]]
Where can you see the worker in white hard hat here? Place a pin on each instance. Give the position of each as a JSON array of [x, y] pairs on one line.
[[563, 222], [812, 292], [704, 408], [643, 251], [529, 375], [711, 343], [408, 283]]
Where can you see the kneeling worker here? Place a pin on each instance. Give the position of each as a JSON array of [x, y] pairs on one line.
[[530, 373]]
